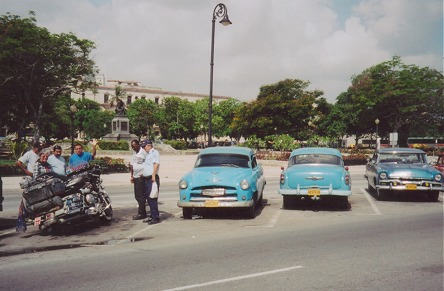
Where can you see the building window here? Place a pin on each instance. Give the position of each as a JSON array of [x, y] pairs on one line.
[[156, 100], [128, 99], [105, 98]]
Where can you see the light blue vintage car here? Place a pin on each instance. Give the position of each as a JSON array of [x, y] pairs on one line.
[[317, 174], [398, 170], [223, 177]]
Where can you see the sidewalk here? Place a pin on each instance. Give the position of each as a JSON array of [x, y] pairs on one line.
[[172, 168]]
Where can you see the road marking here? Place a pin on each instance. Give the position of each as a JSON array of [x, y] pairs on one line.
[[272, 222], [234, 279], [372, 203]]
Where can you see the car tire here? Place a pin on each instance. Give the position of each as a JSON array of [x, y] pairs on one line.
[[286, 203], [433, 196], [251, 211], [370, 188], [381, 194], [187, 212]]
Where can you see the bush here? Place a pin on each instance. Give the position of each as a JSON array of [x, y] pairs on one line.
[[177, 144], [355, 159], [120, 145]]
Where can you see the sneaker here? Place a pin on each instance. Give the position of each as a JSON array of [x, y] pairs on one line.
[[153, 221], [148, 219]]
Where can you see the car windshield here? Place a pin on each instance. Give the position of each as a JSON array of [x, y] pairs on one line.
[[315, 159], [410, 158], [222, 160]]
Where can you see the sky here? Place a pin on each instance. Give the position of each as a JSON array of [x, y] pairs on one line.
[[167, 43]]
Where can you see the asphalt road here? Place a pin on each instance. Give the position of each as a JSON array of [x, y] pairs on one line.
[[376, 245]]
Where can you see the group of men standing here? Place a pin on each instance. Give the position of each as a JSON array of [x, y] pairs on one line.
[[144, 169]]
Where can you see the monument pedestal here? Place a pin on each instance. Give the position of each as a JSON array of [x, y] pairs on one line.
[[120, 130]]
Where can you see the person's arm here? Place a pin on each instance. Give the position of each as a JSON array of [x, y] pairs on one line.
[[155, 170], [22, 166], [94, 147]]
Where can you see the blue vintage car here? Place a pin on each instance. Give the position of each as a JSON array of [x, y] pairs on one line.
[[223, 177], [395, 170], [315, 173]]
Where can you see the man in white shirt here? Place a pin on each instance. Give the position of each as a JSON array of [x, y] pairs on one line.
[[29, 158], [136, 169], [57, 162], [151, 175]]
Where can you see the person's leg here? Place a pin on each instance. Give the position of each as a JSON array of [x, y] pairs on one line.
[[140, 194]]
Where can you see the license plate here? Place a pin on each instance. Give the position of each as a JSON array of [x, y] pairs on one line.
[[410, 186], [314, 192], [211, 203], [37, 221]]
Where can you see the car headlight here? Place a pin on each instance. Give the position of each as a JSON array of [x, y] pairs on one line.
[[383, 175], [183, 184], [438, 177], [244, 185]]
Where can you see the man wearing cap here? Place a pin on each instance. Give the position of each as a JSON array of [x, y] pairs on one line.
[[150, 174], [29, 158], [136, 169]]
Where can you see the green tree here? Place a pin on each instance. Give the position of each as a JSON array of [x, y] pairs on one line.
[[36, 68], [142, 116], [401, 96], [281, 108], [177, 118], [223, 115]]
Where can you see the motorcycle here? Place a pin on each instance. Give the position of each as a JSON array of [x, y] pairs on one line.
[[52, 199]]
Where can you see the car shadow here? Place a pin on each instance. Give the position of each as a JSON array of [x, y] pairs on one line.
[[403, 196], [227, 213], [317, 205]]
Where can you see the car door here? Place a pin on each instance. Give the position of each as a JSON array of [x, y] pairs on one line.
[[370, 169]]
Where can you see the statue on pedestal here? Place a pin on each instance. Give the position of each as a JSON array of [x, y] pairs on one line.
[[120, 108]]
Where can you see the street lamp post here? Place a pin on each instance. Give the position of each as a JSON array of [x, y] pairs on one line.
[[72, 110], [377, 122], [219, 11]]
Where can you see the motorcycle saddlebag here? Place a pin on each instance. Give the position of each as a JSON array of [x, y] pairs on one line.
[[45, 205], [43, 190]]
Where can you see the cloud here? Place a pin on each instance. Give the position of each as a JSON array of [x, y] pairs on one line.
[[167, 43]]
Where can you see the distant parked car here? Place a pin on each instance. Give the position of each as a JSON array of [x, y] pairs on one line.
[[394, 170], [315, 173], [223, 177], [439, 165]]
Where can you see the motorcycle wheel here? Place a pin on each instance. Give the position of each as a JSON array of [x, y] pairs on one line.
[[107, 215]]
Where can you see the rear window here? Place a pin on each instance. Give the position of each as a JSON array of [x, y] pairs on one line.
[[222, 160], [315, 159]]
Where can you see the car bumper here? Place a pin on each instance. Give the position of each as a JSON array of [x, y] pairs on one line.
[[323, 192], [407, 188], [212, 203]]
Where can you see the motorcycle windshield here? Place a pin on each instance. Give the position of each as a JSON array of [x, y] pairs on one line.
[[77, 167]]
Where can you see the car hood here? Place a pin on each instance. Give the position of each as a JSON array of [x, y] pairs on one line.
[[225, 176], [416, 171], [315, 175]]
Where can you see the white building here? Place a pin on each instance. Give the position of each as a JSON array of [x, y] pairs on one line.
[[134, 90]]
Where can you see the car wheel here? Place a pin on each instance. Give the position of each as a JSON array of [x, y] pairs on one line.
[[251, 211], [382, 194], [433, 196], [370, 188], [187, 212], [343, 202], [286, 202], [261, 200]]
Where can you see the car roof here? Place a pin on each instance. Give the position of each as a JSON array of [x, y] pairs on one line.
[[316, 150], [401, 150], [227, 150]]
